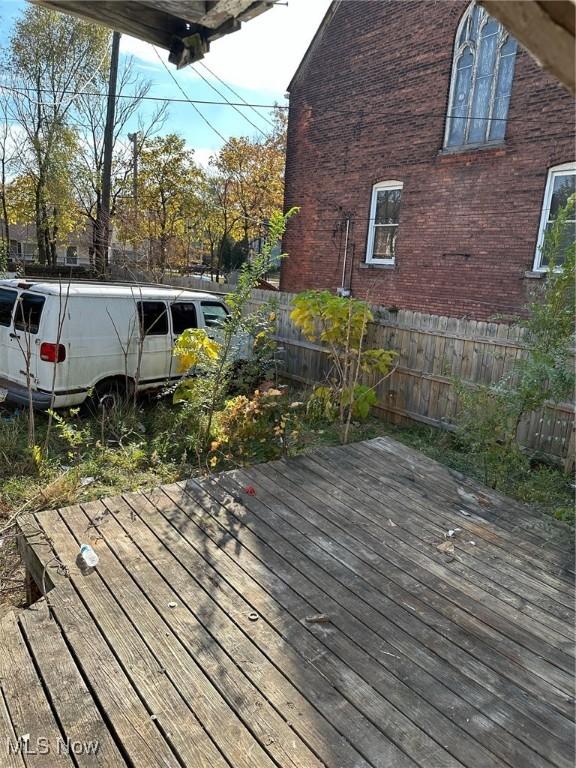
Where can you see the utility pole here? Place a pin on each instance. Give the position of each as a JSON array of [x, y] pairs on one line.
[[133, 137], [103, 235]]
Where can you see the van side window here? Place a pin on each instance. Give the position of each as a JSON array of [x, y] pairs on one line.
[[214, 313], [28, 312], [183, 317], [153, 318], [7, 301]]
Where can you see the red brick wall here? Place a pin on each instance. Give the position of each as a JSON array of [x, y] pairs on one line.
[[370, 106]]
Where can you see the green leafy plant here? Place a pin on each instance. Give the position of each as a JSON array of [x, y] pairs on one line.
[[217, 361], [341, 325], [487, 426], [489, 415]]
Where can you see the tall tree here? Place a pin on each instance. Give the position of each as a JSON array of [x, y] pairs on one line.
[[254, 169], [91, 108], [8, 160], [168, 181], [53, 57]]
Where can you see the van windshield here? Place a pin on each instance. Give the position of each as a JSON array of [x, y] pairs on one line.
[[215, 314], [28, 312]]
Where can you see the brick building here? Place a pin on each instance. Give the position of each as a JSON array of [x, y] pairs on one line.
[[428, 153]]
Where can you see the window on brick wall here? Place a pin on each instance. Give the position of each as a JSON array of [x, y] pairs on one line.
[[560, 186], [482, 73], [384, 221]]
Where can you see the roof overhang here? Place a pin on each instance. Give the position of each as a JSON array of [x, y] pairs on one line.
[[184, 27], [546, 28]]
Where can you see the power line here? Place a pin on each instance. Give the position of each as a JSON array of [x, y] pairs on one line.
[[238, 96], [23, 90], [324, 112], [228, 102], [183, 92]]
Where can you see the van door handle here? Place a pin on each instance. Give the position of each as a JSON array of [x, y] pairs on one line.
[[14, 336]]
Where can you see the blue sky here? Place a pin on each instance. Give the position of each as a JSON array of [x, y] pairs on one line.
[[258, 62]]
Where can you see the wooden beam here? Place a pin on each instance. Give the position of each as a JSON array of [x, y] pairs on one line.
[[190, 10], [166, 22], [546, 29], [223, 10]]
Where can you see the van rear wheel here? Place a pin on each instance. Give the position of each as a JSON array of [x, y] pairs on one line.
[[109, 395]]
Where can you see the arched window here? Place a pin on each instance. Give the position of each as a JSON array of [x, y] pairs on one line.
[[482, 73]]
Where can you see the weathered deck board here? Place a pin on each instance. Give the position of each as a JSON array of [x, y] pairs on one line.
[[382, 509], [32, 719], [311, 624]]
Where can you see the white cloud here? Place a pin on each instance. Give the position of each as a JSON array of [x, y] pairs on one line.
[[263, 55], [202, 155]]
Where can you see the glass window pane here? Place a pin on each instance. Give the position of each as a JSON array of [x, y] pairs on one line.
[[460, 99], [7, 301], [502, 95], [485, 65], [388, 206], [214, 313], [478, 15], [384, 242], [153, 318], [28, 312], [183, 317], [560, 249], [564, 186]]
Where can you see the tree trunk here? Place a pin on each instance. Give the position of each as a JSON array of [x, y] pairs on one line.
[[53, 239], [5, 222], [40, 221]]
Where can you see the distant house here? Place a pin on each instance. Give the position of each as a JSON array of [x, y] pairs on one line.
[[77, 251], [24, 246], [428, 153]]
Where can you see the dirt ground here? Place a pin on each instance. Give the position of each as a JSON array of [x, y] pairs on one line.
[[12, 584]]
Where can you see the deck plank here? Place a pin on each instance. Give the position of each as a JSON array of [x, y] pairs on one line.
[[389, 516], [225, 613], [416, 560], [10, 758], [80, 719], [388, 656], [173, 714], [340, 569], [190, 657], [310, 623], [509, 544], [31, 715], [542, 539]]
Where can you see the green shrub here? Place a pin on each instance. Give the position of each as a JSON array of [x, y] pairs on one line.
[[260, 428]]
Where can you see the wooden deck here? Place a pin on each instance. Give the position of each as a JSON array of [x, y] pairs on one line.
[[313, 622]]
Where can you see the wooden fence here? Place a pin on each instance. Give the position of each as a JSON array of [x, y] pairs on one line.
[[433, 352]]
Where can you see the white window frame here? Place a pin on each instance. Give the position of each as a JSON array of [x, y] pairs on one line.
[[566, 169], [389, 185]]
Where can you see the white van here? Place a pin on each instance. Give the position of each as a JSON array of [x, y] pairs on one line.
[[111, 335]]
